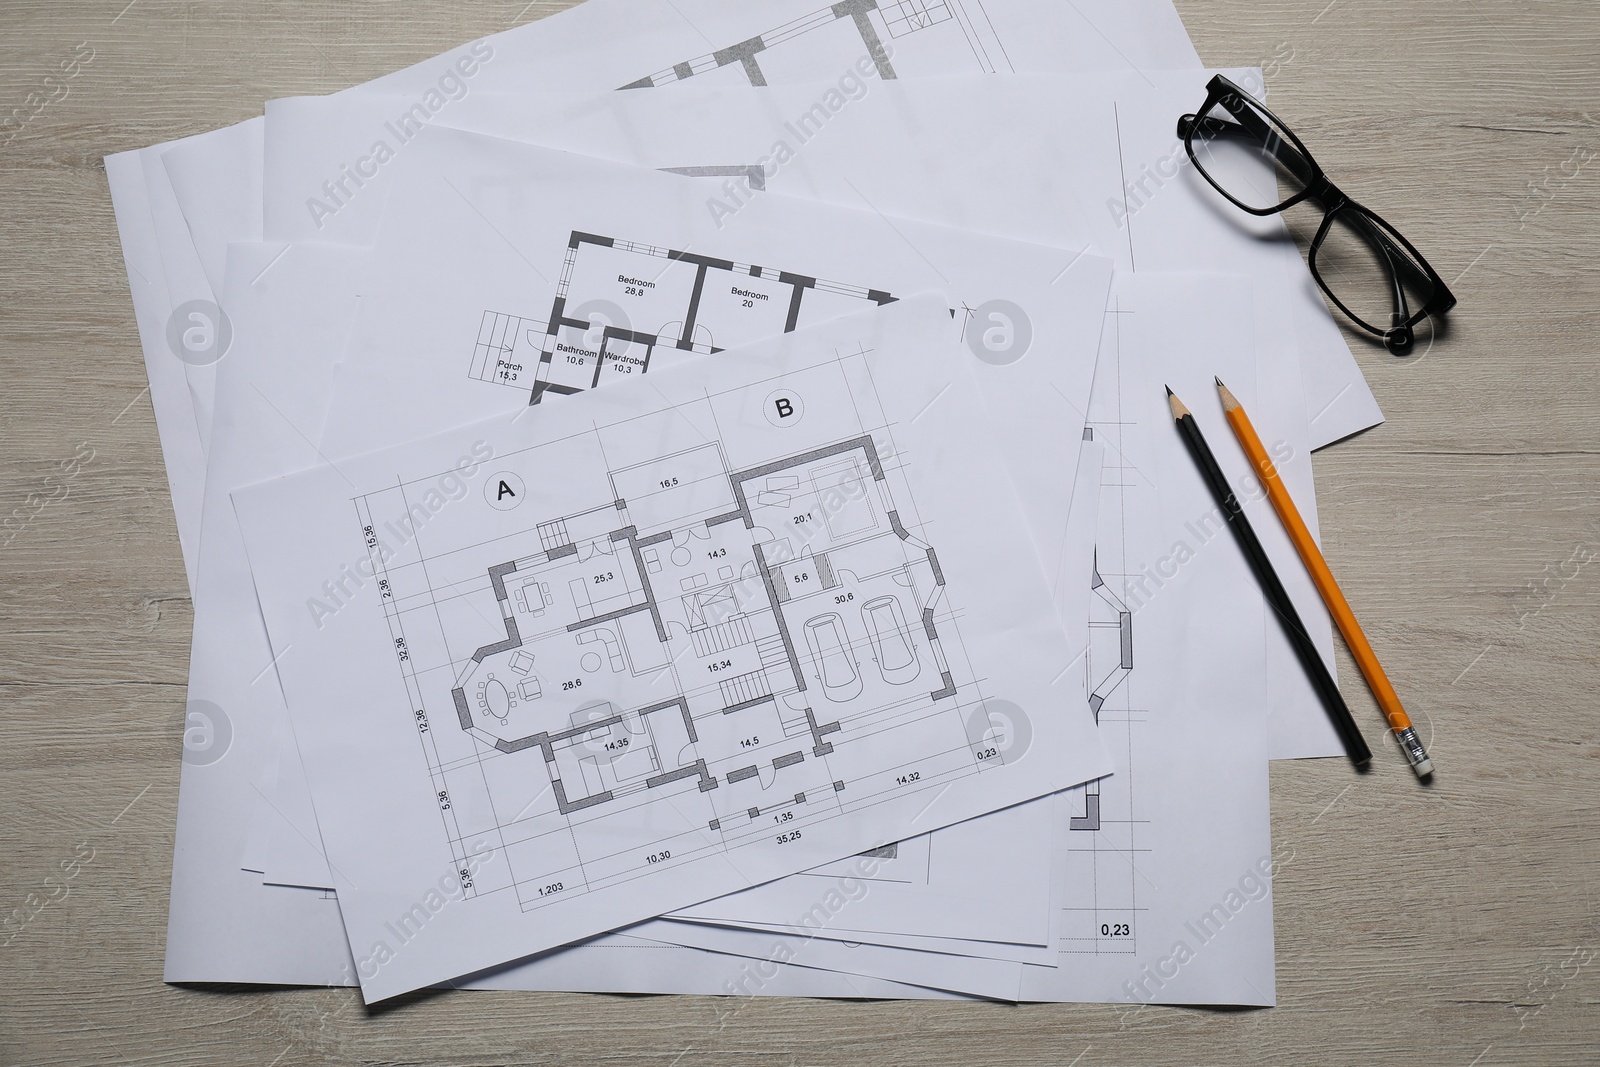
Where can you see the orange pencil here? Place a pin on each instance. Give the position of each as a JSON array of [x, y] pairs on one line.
[[1338, 607]]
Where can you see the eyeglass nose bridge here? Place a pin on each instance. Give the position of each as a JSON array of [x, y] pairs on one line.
[[1328, 195]]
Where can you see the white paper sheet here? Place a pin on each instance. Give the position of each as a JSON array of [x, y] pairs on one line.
[[906, 889], [1184, 820], [973, 886], [216, 181], [182, 329], [224, 925], [602, 45], [991, 979], [623, 963], [676, 448], [195, 335], [925, 897], [181, 449], [285, 845]]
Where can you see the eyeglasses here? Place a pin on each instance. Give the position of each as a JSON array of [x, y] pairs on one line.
[[1364, 265]]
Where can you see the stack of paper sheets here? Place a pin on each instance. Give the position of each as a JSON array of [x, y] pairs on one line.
[[678, 498]]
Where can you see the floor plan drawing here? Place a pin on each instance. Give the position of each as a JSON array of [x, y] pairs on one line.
[[622, 306], [707, 639], [669, 641], [846, 29]]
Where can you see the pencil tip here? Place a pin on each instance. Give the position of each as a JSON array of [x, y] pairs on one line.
[[1168, 389], [1219, 382], [1230, 402]]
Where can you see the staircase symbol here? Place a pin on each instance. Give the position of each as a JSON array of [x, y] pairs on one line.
[[771, 651], [743, 688], [710, 640]]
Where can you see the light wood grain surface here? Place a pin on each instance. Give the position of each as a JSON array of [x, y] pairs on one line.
[[1452, 925]]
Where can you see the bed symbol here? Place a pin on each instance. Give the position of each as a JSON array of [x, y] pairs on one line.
[[825, 637], [891, 640]]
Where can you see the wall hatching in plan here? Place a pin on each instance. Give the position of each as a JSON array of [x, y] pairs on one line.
[[621, 307]]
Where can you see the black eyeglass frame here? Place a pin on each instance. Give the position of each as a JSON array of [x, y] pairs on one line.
[[1400, 337]]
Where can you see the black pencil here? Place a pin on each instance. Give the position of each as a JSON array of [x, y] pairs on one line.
[[1354, 744]]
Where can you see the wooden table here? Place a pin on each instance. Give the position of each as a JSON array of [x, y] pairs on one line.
[[1452, 925]]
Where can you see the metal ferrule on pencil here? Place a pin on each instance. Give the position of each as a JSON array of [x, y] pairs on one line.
[[1411, 745]]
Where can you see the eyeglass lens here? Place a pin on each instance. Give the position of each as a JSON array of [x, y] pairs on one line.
[[1361, 265], [1247, 155]]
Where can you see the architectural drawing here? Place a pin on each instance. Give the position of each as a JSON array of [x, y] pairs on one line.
[[687, 664], [622, 306], [1109, 662], [1110, 642], [1103, 849], [846, 29]]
